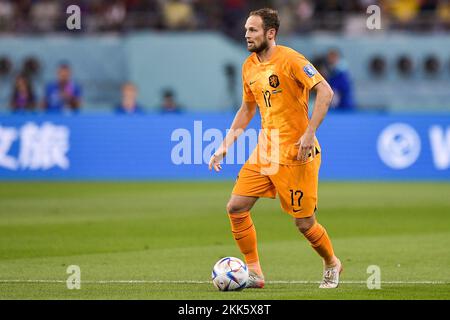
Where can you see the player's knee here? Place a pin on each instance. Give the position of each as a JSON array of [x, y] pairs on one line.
[[236, 207], [304, 224]]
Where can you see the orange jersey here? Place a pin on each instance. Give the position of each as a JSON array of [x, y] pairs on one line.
[[281, 89]]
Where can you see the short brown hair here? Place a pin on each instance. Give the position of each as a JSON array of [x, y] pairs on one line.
[[269, 17]]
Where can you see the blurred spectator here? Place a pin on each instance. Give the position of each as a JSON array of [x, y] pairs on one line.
[[305, 12], [22, 98], [115, 15], [22, 10], [208, 16], [64, 93], [129, 104], [234, 13], [403, 11], [340, 82], [143, 14], [178, 14], [428, 6], [169, 104], [6, 14], [45, 14], [224, 15], [320, 63], [443, 12]]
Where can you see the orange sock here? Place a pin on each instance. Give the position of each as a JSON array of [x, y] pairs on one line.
[[318, 237], [244, 233]]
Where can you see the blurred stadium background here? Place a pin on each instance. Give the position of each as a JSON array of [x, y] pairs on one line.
[[142, 78], [144, 40]]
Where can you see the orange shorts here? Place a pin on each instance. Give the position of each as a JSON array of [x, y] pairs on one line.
[[296, 185]]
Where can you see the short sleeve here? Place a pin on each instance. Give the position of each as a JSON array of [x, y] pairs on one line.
[[304, 72], [247, 94]]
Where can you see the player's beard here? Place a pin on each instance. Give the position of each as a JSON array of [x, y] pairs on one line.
[[263, 46]]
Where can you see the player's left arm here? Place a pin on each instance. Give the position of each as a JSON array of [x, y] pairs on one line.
[[324, 95]]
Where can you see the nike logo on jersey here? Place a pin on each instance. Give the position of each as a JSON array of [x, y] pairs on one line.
[[252, 82]]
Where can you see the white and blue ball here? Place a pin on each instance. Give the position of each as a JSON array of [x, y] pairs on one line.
[[230, 274]]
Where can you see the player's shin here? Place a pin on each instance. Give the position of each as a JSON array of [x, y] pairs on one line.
[[244, 233], [321, 243]]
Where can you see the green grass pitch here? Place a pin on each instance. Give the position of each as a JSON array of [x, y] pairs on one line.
[[159, 240]]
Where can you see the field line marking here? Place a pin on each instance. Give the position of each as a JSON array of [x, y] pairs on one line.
[[204, 282]]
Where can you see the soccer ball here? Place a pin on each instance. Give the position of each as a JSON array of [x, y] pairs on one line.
[[230, 274]]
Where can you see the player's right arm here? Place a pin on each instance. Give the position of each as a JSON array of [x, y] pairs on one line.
[[243, 117]]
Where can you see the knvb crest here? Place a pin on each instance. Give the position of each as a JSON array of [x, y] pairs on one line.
[[273, 81]]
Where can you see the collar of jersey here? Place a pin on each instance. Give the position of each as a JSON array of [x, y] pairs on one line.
[[272, 58]]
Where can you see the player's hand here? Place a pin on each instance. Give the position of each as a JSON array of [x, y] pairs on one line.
[[306, 145], [216, 159]]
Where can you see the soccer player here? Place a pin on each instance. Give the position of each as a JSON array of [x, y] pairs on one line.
[[287, 158]]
